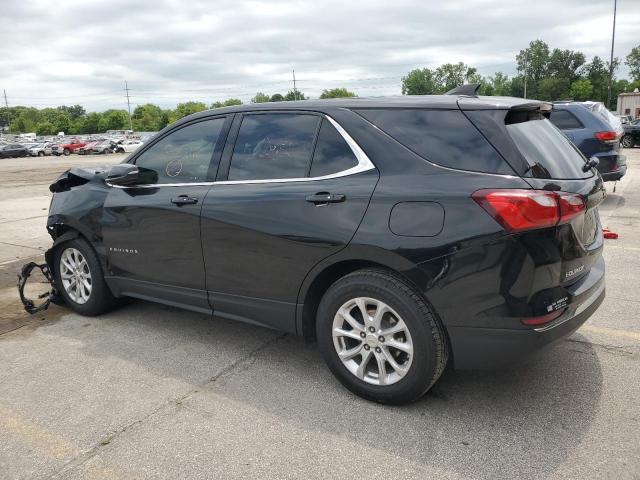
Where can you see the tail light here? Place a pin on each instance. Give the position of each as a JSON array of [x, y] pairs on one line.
[[608, 136], [518, 210], [542, 319]]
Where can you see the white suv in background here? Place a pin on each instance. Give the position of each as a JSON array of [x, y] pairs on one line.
[[128, 146]]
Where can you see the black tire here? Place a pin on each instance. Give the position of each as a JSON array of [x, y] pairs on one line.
[[41, 153], [627, 141], [67, 152], [120, 150], [100, 300], [430, 346]]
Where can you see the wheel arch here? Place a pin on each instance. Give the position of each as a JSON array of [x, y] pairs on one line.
[[327, 272]]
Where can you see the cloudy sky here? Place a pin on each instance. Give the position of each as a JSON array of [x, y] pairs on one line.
[[68, 52]]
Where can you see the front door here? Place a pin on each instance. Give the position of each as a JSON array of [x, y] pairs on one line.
[[151, 231], [277, 213]]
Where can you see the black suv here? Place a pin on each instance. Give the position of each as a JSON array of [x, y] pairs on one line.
[[404, 233]]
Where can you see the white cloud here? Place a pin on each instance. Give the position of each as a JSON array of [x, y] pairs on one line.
[[171, 51]]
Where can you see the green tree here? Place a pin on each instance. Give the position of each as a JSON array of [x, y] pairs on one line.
[[294, 95], [581, 90], [74, 111], [148, 118], [24, 119], [91, 123], [565, 64], [184, 109], [451, 75], [260, 98], [227, 103], [337, 93], [419, 82], [500, 84], [46, 128], [277, 97], [552, 88], [633, 62], [113, 120], [533, 62]]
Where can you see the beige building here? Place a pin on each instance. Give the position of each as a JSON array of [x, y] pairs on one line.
[[629, 104]]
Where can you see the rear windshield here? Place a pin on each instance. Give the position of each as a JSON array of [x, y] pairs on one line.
[[547, 151], [443, 137]]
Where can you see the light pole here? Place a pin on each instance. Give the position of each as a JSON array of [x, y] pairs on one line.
[[613, 40]]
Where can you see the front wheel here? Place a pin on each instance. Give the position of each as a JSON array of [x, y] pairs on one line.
[[627, 141], [67, 152], [380, 338], [41, 154], [79, 278]]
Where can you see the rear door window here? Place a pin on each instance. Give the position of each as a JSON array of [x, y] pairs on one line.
[[443, 137], [547, 151], [332, 154], [564, 120], [273, 146]]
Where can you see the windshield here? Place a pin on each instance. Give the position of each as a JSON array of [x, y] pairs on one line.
[[547, 150]]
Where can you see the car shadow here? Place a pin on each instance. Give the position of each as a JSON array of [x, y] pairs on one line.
[[528, 418]]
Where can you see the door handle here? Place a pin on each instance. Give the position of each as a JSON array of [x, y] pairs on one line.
[[184, 200], [323, 198]]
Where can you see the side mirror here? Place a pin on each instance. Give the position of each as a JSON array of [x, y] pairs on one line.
[[123, 174]]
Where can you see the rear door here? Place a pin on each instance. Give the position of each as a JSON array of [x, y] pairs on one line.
[[292, 190]]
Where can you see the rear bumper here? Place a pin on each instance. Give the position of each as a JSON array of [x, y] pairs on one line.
[[615, 175], [486, 348], [612, 166]]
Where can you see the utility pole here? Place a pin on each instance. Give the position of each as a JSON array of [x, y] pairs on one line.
[[613, 39], [295, 91], [126, 89], [526, 53], [6, 104]]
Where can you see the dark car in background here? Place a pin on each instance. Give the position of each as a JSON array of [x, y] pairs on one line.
[[363, 222], [631, 135], [14, 150], [594, 135]]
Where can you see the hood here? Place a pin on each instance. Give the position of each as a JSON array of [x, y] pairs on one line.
[[78, 176]]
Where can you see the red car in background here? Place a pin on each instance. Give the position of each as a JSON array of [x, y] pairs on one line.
[[67, 148]]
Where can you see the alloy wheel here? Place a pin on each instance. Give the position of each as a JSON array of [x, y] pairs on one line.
[[372, 341], [75, 275]]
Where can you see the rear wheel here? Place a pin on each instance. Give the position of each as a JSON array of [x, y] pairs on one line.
[[41, 153], [627, 141], [380, 338], [80, 280]]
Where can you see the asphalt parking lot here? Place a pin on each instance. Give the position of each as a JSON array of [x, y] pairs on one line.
[[149, 391]]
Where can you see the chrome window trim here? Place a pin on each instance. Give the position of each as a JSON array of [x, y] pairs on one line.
[[364, 164]]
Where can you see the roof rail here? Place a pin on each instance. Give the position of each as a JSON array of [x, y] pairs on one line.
[[470, 89]]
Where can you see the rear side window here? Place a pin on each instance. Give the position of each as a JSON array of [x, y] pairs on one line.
[[443, 137], [332, 154], [564, 120], [273, 146], [547, 151]]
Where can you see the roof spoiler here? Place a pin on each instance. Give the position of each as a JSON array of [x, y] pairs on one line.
[[470, 89]]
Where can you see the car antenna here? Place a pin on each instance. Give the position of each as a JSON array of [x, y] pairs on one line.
[[470, 89]]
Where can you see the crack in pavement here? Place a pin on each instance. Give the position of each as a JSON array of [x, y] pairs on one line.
[[81, 459], [607, 348]]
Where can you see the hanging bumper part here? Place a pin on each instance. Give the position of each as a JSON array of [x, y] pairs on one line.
[[43, 300]]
